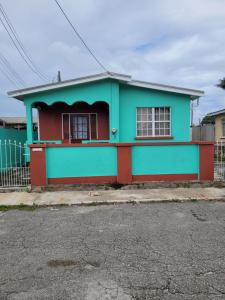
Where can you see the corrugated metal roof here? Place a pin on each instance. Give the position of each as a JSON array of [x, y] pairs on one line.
[[108, 75], [216, 113]]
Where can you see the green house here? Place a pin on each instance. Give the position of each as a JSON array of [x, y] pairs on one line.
[[110, 128]]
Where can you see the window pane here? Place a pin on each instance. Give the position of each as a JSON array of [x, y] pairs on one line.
[[144, 117], [138, 117], [161, 117], [150, 117], [139, 133], [145, 133], [144, 110], [138, 126], [161, 132], [138, 110], [167, 132]]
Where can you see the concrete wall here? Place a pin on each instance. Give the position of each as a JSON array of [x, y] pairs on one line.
[[123, 163], [171, 159]]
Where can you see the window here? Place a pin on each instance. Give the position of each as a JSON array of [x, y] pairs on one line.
[[153, 121]]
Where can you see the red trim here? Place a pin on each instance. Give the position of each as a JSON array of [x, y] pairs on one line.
[[99, 144], [124, 164], [38, 167], [154, 137], [165, 177], [206, 162], [81, 180]]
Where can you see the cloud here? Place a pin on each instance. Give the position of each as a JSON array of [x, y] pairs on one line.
[[167, 41]]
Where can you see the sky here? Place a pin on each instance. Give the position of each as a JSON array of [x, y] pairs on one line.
[[174, 42]]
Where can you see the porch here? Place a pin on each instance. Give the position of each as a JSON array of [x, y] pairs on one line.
[[76, 123]]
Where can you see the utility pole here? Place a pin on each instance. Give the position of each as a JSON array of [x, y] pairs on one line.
[[59, 77]]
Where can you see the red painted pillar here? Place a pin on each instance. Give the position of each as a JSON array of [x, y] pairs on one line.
[[124, 164], [38, 165], [206, 152]]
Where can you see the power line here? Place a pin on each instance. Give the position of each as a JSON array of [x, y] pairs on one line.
[[11, 70], [19, 50], [8, 77], [80, 37], [16, 36]]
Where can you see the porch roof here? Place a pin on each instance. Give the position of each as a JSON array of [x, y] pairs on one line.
[[127, 79]]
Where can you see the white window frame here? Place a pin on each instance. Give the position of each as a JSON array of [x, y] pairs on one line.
[[89, 121], [153, 122]]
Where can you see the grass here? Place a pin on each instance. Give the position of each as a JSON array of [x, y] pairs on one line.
[[18, 207]]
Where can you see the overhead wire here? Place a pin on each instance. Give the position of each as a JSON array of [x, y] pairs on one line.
[[16, 36], [19, 49], [80, 37], [11, 70]]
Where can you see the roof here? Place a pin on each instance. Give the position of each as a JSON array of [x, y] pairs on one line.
[[16, 120], [216, 113], [107, 75]]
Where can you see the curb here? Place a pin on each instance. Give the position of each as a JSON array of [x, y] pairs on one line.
[[34, 205]]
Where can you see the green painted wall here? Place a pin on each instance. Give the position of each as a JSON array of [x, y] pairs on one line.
[[102, 161], [90, 93], [13, 135], [171, 159], [132, 97], [81, 161], [123, 101], [9, 154]]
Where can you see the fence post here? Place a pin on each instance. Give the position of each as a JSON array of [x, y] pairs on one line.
[[38, 165], [206, 159]]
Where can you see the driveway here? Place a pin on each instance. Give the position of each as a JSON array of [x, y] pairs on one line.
[[166, 251]]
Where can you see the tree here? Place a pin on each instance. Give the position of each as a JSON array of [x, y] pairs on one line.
[[221, 83]]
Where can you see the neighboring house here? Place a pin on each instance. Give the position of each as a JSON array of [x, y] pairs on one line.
[[216, 118], [16, 122], [110, 128]]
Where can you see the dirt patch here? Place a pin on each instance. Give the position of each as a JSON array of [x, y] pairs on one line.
[[68, 263], [61, 263]]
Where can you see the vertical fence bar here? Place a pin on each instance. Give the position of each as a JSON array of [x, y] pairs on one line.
[[6, 164], [1, 184], [11, 177]]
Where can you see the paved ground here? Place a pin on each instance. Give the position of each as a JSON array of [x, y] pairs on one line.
[[165, 251], [112, 196]]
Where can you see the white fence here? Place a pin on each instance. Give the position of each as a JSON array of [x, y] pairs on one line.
[[14, 171], [219, 161]]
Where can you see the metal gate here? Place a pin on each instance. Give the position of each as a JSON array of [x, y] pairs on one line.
[[219, 161], [14, 171]]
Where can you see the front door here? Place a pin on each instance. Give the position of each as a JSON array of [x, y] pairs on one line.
[[79, 127]]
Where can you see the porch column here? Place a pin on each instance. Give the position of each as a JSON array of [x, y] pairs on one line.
[[29, 119], [114, 113]]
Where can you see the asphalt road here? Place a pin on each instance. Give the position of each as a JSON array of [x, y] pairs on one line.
[[154, 251]]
